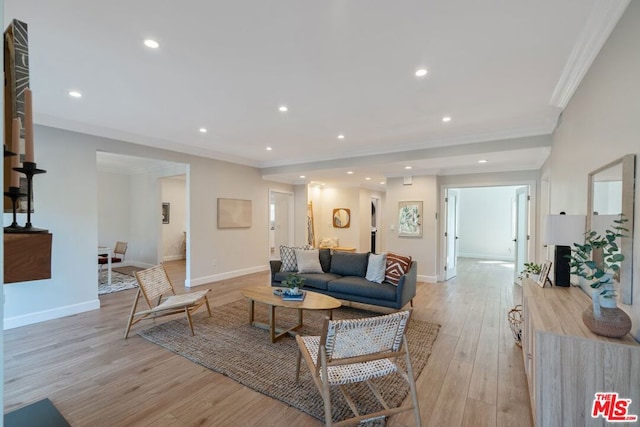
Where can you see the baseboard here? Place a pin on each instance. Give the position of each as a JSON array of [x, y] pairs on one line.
[[486, 256], [56, 313], [172, 257], [224, 276], [428, 279]]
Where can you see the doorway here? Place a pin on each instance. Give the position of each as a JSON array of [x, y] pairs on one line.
[[489, 223], [281, 221]]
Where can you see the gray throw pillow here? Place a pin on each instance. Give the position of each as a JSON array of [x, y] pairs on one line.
[[288, 258], [308, 261], [349, 264], [376, 268]]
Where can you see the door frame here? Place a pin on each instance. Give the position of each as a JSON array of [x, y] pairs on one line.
[[291, 223], [533, 215]]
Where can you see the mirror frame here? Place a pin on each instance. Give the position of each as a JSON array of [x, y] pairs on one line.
[[628, 200], [336, 213]]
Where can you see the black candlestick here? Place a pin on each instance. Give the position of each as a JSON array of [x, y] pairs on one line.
[[30, 169], [14, 194]]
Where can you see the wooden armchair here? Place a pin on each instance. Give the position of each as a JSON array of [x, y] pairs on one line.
[[359, 350], [154, 285]]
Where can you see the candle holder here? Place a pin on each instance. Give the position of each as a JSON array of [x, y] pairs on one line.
[[30, 169], [14, 194]]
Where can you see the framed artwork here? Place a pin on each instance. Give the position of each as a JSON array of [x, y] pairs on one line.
[[166, 211], [234, 213], [410, 219], [544, 274], [341, 218]]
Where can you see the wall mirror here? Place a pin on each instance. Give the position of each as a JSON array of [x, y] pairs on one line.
[[611, 193], [341, 218]]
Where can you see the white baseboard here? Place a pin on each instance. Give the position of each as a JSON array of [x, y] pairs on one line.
[[486, 256], [428, 279], [172, 258], [56, 313], [223, 276]]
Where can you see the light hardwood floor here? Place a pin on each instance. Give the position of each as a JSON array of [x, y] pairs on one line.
[[475, 376]]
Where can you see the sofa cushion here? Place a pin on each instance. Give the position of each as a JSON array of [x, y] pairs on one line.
[[397, 266], [288, 258], [360, 286], [376, 268], [308, 261], [318, 280], [325, 260], [349, 264]]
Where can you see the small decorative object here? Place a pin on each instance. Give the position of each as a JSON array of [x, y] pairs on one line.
[[531, 270], [515, 323], [543, 278], [598, 260], [410, 219], [341, 218], [294, 282]]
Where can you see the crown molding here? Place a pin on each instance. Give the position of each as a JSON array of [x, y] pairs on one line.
[[603, 18]]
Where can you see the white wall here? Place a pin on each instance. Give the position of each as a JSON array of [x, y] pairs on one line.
[[67, 204], [174, 192], [114, 216], [485, 226], [600, 124]]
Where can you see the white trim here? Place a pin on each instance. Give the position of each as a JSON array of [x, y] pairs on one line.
[[173, 257], [227, 275], [55, 313], [603, 18], [486, 256], [428, 279]]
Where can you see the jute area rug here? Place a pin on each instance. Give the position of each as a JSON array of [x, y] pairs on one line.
[[227, 344], [127, 269]]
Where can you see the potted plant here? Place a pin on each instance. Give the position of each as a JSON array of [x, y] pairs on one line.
[[598, 261], [294, 282], [532, 270]]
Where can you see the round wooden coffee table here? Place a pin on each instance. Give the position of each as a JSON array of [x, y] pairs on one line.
[[264, 295]]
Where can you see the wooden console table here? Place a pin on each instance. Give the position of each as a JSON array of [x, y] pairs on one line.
[[566, 364]]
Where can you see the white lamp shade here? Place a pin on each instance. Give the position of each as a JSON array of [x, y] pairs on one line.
[[564, 230]]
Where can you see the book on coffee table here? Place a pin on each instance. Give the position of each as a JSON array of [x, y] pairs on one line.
[[299, 297]]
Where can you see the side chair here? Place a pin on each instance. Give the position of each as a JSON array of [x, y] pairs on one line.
[[359, 350], [154, 286]]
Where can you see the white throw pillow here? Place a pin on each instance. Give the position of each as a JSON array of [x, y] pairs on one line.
[[376, 268], [288, 258], [308, 261]]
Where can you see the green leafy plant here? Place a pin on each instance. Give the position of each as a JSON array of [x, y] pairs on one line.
[[599, 258], [529, 269], [293, 280]]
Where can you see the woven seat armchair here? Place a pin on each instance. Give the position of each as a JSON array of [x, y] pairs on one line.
[[359, 350]]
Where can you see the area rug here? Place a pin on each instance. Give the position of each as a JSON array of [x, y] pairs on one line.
[[127, 269], [119, 282], [227, 344]]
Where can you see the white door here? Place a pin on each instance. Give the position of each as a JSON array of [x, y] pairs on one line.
[[521, 237], [451, 233], [280, 222]]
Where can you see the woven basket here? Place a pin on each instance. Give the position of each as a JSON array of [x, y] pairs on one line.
[[612, 323], [515, 323]]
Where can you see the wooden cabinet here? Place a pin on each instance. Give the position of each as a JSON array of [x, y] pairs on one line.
[[27, 257], [566, 364]]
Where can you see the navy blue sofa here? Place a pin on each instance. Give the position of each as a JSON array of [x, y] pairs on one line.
[[343, 277]]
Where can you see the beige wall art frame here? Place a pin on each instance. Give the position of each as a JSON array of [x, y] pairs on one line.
[[410, 219], [234, 213]]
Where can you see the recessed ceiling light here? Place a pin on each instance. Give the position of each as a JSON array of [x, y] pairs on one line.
[[368, 178], [483, 161], [446, 119], [382, 183], [421, 72], [350, 172], [341, 136], [151, 44], [302, 176], [75, 94], [203, 130], [408, 167], [283, 108], [269, 148]]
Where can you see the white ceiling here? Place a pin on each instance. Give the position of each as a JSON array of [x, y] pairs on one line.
[[502, 70]]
